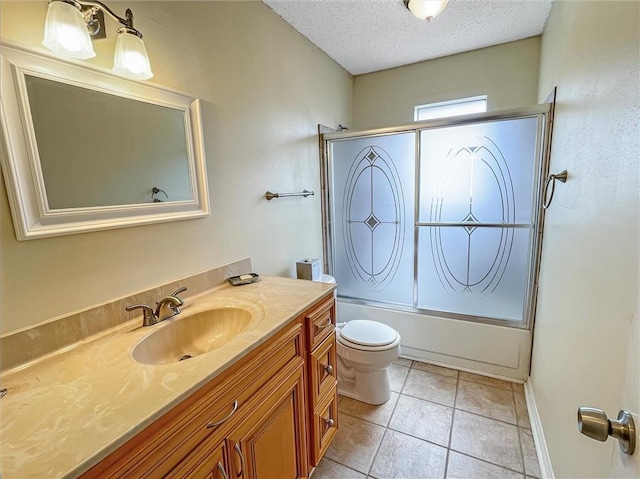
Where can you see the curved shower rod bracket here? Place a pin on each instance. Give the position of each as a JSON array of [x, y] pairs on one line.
[[269, 196], [548, 198]]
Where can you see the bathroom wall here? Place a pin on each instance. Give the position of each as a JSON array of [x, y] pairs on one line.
[[507, 74], [264, 89], [586, 332]]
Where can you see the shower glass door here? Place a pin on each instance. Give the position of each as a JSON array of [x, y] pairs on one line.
[[442, 218], [373, 206]]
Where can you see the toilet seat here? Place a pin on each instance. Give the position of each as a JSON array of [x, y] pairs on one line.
[[367, 335]]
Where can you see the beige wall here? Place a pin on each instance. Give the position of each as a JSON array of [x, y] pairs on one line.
[[584, 337], [507, 74], [264, 89]]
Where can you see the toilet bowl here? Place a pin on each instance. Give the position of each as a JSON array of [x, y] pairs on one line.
[[365, 350]]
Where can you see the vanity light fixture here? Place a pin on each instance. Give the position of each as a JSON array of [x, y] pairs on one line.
[[426, 9], [70, 25]]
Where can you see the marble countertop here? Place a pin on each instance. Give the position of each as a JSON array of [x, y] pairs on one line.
[[65, 412]]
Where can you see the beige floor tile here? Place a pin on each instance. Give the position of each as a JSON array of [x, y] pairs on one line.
[[328, 469], [397, 376], [487, 439], [375, 414], [476, 378], [432, 387], [402, 456], [531, 466], [423, 419], [464, 467], [403, 362], [432, 368], [522, 413], [355, 443], [487, 401]]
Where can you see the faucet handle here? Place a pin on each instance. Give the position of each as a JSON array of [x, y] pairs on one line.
[[149, 316], [176, 307], [181, 289]]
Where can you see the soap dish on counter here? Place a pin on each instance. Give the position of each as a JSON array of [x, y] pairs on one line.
[[247, 278]]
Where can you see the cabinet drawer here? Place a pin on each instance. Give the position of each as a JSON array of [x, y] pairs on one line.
[[320, 322], [209, 411], [324, 426], [322, 364]]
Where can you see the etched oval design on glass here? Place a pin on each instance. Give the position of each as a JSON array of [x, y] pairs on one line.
[[474, 187], [373, 215]]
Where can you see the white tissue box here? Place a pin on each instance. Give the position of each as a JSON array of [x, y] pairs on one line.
[[309, 268]]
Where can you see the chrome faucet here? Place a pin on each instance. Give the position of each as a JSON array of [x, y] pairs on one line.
[[151, 317]]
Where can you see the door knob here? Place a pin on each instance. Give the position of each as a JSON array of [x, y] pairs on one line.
[[594, 423]]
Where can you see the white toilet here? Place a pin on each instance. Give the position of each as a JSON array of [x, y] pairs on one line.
[[365, 350]]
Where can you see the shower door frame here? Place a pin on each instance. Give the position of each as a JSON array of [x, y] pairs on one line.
[[540, 174]]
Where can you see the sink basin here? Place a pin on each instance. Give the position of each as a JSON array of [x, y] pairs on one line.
[[184, 337]]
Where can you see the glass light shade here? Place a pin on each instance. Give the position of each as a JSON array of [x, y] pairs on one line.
[[65, 32], [427, 9], [130, 59]]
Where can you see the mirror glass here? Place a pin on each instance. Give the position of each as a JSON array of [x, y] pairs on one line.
[[98, 149], [86, 150]]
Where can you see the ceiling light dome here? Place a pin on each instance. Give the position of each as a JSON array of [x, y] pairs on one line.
[[426, 9]]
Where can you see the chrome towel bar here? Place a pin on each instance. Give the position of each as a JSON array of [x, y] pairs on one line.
[[269, 196]]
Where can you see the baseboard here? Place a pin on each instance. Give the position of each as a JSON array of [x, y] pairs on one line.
[[544, 460]]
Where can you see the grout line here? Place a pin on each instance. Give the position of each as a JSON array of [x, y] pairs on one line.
[[487, 417], [492, 463], [340, 464], [377, 452]]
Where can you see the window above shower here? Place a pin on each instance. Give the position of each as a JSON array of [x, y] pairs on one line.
[[445, 109]]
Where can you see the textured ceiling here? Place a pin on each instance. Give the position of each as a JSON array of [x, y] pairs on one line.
[[370, 35]]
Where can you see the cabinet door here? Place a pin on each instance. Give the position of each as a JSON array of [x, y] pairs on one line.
[[323, 373], [324, 426], [271, 443], [205, 462]]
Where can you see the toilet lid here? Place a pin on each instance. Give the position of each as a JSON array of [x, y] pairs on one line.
[[368, 333]]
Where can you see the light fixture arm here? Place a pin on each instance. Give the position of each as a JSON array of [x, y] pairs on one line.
[[90, 8]]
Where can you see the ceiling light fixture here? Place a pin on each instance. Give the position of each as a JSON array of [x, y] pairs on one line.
[[426, 9], [70, 25]]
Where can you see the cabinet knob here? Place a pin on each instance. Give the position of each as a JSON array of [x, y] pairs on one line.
[[331, 422], [329, 369]]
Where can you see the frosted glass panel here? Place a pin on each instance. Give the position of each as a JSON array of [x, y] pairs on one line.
[[476, 271], [372, 182], [480, 173]]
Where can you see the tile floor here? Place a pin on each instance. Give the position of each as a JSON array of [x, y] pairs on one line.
[[439, 423]]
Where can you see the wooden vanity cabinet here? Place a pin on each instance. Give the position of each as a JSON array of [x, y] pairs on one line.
[[268, 441], [253, 421]]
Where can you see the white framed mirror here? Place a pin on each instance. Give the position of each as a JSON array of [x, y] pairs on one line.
[[85, 150]]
